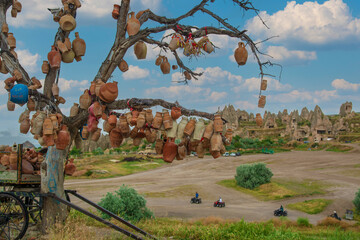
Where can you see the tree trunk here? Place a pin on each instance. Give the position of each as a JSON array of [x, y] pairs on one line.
[[52, 181]]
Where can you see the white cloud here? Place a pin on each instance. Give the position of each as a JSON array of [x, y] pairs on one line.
[[67, 85], [324, 95], [216, 96], [309, 23], [253, 84], [245, 105], [135, 72], [304, 96], [28, 60], [345, 85], [282, 54], [2, 89], [4, 106]]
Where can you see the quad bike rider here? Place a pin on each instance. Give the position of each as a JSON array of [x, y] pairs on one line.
[[219, 203], [334, 215], [280, 212], [196, 199]]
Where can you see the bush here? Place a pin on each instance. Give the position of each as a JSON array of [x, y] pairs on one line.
[[98, 151], [357, 201], [75, 152], [252, 175], [303, 222], [127, 203]]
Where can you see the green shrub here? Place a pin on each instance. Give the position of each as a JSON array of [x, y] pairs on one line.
[[127, 203], [252, 175], [303, 222], [357, 201], [98, 151], [75, 152]]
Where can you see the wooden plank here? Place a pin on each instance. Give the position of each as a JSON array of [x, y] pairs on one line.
[[10, 175], [30, 178]]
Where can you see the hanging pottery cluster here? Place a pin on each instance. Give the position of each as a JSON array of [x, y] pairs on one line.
[[31, 160], [190, 46]]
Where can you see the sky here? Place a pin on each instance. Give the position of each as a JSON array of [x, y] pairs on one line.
[[317, 44]]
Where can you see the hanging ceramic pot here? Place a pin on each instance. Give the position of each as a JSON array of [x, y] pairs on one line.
[[149, 116], [61, 46], [169, 151], [5, 160], [139, 14], [136, 141], [97, 109], [48, 127], [123, 66], [181, 128], [140, 50], [199, 130], [174, 67], [141, 120], [112, 120], [209, 129], [218, 124], [109, 92], [92, 88], [14, 12], [129, 118], [25, 126], [5, 28], [165, 66], [150, 135], [200, 150], [70, 167], [134, 132], [55, 90], [124, 127], [98, 84], [167, 121], [96, 135], [187, 75], [17, 5], [10, 105], [36, 83], [24, 115], [141, 133], [74, 110], [67, 23], [54, 57], [158, 60], [85, 132], [135, 114], [48, 139], [158, 119], [171, 133], [262, 101], [37, 123], [85, 100], [215, 142], [159, 144], [175, 112], [67, 43], [190, 126], [68, 57], [181, 151], [3, 68], [31, 104], [176, 41], [9, 83], [79, 47], [11, 40], [133, 24], [116, 11], [63, 138], [241, 54], [116, 138], [263, 85], [228, 136], [45, 67], [259, 120]]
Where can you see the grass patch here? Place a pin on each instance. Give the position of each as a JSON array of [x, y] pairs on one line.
[[185, 190], [313, 206], [279, 189], [339, 148]]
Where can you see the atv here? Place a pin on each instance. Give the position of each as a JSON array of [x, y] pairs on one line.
[[195, 200], [279, 213], [219, 204]]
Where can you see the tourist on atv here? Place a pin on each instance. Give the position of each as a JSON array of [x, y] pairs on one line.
[[220, 199], [334, 215], [281, 208], [196, 195]]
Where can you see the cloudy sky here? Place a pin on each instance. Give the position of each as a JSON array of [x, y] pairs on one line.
[[317, 45]]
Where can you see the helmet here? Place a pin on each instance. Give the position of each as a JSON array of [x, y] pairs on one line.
[[334, 211]]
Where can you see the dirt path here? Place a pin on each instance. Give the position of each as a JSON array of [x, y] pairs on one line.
[[171, 187]]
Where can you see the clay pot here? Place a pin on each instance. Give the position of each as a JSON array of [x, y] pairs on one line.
[[124, 127], [17, 74], [24, 115], [61, 46], [98, 84], [45, 67], [36, 83], [48, 140], [228, 136], [187, 75], [181, 128], [107, 127], [67, 43], [199, 130], [158, 60], [48, 127], [74, 110], [139, 14], [218, 124], [259, 120], [208, 47], [112, 120], [14, 12], [192, 145], [262, 101], [70, 167], [96, 135], [5, 28], [85, 132], [140, 50], [165, 66], [137, 141], [85, 100], [63, 138], [171, 133], [215, 154], [92, 88], [141, 120], [128, 118], [54, 57], [215, 142], [241, 54], [109, 92], [26, 167], [206, 143], [116, 11], [67, 23], [11, 40], [3, 69], [17, 5], [116, 138], [150, 135], [158, 119], [97, 109], [37, 123], [123, 66], [263, 85], [79, 46], [200, 150], [176, 41], [68, 57], [149, 116], [5, 160], [135, 115], [55, 90], [133, 24], [209, 129], [190, 126], [134, 132], [25, 126], [169, 150], [159, 144], [13, 160], [181, 152], [9, 83], [175, 112], [167, 121], [10, 105], [174, 67]]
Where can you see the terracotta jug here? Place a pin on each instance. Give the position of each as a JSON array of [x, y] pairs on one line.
[[176, 41], [140, 50], [181, 128], [61, 46], [85, 132], [141, 133], [112, 120], [5, 28], [54, 57], [11, 40], [169, 150], [98, 84], [158, 60], [165, 66], [208, 47], [17, 5], [158, 119], [97, 109], [48, 140], [133, 24], [149, 116], [215, 154], [10, 105], [150, 135], [241, 54], [259, 120], [123, 66], [171, 133], [5, 160], [13, 160], [222, 149], [25, 126], [70, 167], [3, 69], [63, 138], [134, 132], [36, 82], [159, 144], [218, 123], [17, 74], [96, 135], [174, 67], [24, 115], [206, 143], [181, 151], [68, 56], [209, 129], [107, 127], [124, 127], [109, 92], [193, 144], [67, 23], [92, 88], [187, 75], [45, 67], [67, 43], [190, 126], [85, 100], [128, 118], [229, 136], [74, 110], [139, 14], [137, 141], [135, 114], [199, 130], [79, 47], [263, 85], [37, 123], [167, 121], [48, 127], [262, 101], [175, 112], [55, 90], [116, 138], [14, 12], [116, 11], [215, 142], [200, 150], [141, 119]]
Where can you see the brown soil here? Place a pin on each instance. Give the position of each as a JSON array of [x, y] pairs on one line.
[[168, 189]]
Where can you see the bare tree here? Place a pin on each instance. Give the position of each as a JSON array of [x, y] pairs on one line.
[[52, 172]]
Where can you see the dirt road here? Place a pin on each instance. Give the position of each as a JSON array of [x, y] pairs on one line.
[[170, 187]]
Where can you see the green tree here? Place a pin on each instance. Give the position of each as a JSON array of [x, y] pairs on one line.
[[357, 201], [127, 203], [252, 175]]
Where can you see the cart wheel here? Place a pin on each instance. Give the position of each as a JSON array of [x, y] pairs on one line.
[[34, 210], [14, 218]]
